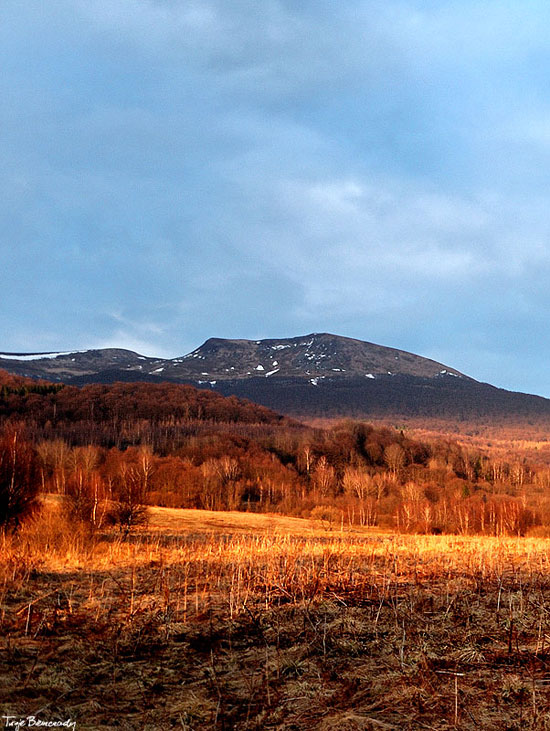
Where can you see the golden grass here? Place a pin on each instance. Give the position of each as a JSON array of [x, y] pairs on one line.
[[169, 521], [201, 521], [223, 620]]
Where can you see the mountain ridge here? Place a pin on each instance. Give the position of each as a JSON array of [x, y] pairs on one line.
[[312, 355], [314, 375]]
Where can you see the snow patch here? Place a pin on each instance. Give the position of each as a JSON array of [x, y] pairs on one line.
[[38, 356], [259, 368], [279, 347], [369, 375], [270, 373]]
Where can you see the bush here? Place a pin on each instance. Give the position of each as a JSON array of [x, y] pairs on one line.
[[127, 515], [327, 514]]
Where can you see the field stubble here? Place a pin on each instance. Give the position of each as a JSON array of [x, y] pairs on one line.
[[235, 622]]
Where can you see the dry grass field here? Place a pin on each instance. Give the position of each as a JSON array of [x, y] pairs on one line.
[[238, 621]]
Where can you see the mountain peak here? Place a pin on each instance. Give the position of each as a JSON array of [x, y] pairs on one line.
[[315, 355]]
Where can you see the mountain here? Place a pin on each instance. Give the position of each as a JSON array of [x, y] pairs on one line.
[[312, 358], [76, 364], [317, 375]]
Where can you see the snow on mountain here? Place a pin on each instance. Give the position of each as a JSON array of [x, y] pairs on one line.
[[317, 358]]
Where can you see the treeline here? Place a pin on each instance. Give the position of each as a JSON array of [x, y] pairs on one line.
[[122, 414], [18, 386], [123, 446], [352, 474]]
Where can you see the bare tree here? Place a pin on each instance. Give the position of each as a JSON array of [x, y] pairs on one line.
[[394, 456], [324, 477]]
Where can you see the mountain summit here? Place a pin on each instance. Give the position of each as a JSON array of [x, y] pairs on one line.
[[313, 357]]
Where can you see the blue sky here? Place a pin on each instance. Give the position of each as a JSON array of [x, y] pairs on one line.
[[172, 171]]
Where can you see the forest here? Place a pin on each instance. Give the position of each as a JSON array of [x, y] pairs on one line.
[[112, 450]]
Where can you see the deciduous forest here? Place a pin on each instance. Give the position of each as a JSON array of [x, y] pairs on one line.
[[110, 450]]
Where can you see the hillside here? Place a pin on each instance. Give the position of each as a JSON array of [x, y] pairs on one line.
[[122, 414]]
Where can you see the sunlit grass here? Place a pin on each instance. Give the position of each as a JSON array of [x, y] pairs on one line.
[[242, 620]]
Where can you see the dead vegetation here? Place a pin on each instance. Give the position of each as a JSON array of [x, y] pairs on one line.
[[217, 626]]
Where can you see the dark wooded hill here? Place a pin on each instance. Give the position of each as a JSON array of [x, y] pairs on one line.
[[43, 401]]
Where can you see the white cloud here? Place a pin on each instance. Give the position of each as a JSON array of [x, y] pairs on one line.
[[123, 339]]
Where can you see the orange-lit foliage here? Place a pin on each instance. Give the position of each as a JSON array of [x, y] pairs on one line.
[[177, 446]]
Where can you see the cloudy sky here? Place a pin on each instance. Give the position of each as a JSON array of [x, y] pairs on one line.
[[172, 170]]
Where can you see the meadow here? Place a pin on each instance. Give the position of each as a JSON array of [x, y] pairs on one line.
[[229, 620]]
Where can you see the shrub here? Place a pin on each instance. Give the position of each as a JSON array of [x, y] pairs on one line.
[[128, 514], [327, 514]]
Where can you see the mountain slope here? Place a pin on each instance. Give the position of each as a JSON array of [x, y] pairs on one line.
[[120, 403], [65, 366], [316, 375], [318, 355]]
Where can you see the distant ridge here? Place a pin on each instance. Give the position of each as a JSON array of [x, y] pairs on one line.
[[314, 375], [317, 355]]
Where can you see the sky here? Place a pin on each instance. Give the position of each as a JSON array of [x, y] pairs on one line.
[[174, 170]]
